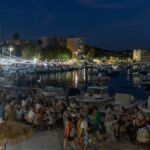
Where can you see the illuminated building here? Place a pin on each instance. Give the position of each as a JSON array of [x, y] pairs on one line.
[[137, 54], [76, 45], [140, 55]]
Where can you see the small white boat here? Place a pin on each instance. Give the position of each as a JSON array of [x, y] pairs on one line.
[[96, 95], [146, 107], [124, 100]]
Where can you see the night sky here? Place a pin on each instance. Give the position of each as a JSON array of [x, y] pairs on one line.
[[112, 24]]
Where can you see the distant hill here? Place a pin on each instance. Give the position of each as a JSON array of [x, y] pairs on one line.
[[100, 52]]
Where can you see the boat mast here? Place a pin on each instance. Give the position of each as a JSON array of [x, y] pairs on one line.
[[1, 42]]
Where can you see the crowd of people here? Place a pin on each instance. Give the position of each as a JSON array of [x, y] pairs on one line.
[[83, 124], [109, 127]]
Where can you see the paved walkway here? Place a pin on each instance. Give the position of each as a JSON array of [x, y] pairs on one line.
[[54, 141], [119, 146], [41, 141]]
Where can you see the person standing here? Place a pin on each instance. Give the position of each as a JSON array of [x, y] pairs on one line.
[[67, 131], [82, 128], [10, 114], [109, 120]]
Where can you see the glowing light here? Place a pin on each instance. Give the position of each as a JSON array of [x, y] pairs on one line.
[[96, 61], [76, 79], [11, 49], [76, 55], [35, 60], [45, 64]]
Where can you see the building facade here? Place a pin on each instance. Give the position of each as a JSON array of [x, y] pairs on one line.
[[52, 42], [142, 56], [76, 45]]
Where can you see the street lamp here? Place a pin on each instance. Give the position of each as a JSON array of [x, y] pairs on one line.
[[35, 60], [76, 55], [10, 50]]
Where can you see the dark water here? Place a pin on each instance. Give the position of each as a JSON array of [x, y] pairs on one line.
[[83, 78], [124, 84]]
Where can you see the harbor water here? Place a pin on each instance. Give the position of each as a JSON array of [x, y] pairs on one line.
[[82, 79]]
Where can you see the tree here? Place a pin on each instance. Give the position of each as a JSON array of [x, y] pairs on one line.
[[61, 53], [28, 53]]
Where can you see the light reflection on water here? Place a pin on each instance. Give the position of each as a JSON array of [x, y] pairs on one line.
[[83, 78], [75, 79], [65, 79]]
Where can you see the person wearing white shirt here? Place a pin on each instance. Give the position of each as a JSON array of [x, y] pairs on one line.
[[83, 125], [23, 103], [38, 106], [31, 115]]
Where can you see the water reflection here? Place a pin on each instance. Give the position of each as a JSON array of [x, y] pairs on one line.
[[84, 74], [75, 79], [84, 78], [67, 79]]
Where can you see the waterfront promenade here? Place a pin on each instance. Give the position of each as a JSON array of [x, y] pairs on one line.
[[53, 140], [49, 140]]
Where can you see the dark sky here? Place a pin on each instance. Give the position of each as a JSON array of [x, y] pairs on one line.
[[113, 24]]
